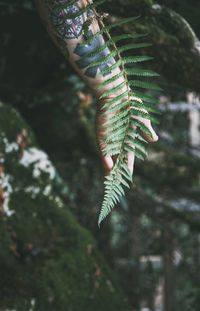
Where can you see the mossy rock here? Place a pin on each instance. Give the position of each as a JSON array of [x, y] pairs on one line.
[[177, 58], [188, 9], [48, 261]]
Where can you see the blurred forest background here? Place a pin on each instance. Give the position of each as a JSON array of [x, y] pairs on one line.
[[146, 256]]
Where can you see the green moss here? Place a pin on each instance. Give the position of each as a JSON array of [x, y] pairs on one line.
[[48, 261]]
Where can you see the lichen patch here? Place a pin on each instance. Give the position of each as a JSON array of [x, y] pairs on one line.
[[5, 184], [40, 160]]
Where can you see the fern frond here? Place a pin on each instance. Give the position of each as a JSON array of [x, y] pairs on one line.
[[114, 90], [113, 145], [110, 68], [123, 181], [141, 126], [127, 36], [108, 28], [125, 169], [121, 22], [90, 39], [80, 12], [139, 113], [145, 97], [122, 49], [113, 152], [130, 71], [132, 46], [141, 72], [116, 134], [120, 122], [136, 59], [118, 116], [137, 144], [116, 107], [144, 85], [97, 51], [147, 107], [114, 78], [102, 60], [123, 108], [116, 99], [132, 133], [113, 188]]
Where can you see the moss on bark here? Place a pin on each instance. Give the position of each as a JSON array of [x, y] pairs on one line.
[[47, 260]]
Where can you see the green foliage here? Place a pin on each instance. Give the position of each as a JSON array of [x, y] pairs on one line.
[[123, 134], [86, 26]]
